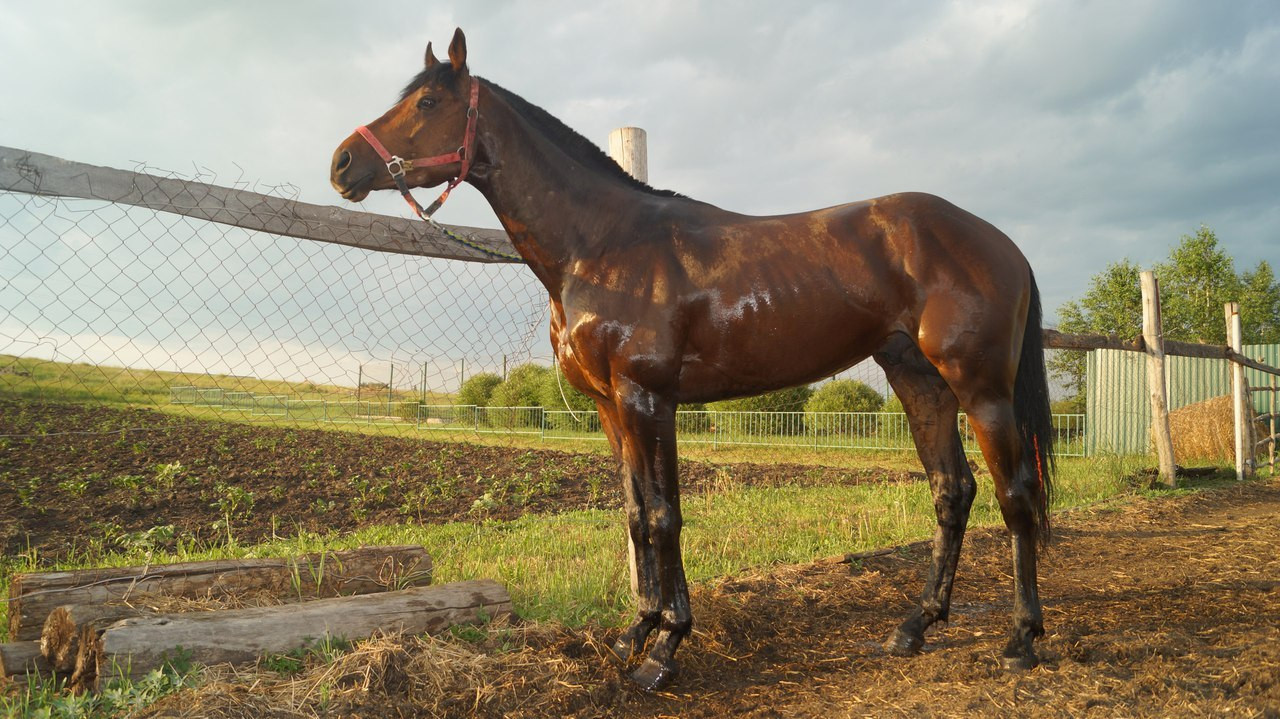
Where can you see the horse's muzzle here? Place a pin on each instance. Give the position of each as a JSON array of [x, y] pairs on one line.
[[351, 188]]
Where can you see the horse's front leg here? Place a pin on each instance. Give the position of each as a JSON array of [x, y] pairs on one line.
[[644, 584], [648, 428]]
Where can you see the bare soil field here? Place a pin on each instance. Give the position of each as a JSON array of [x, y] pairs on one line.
[[78, 471], [1163, 607]]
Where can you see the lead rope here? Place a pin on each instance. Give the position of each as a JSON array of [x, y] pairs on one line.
[[563, 397]]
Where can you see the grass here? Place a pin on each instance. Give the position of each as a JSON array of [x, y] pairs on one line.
[[571, 568], [50, 381]]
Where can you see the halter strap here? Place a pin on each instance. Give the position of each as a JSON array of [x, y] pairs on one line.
[[465, 154]]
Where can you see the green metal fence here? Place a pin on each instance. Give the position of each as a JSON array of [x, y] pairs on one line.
[[834, 430]]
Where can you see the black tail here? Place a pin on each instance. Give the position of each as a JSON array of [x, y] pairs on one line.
[[1032, 412]]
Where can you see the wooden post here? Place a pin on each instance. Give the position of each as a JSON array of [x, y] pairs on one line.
[[1238, 393], [1153, 337], [1271, 427], [629, 147]]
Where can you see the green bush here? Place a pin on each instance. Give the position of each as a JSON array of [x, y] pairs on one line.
[[791, 399], [550, 398], [893, 404], [843, 395], [478, 389], [522, 388]]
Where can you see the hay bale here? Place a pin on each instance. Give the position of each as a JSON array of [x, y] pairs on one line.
[[1205, 431]]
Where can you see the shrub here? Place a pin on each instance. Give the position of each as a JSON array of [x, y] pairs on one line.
[[893, 404], [478, 389], [550, 398], [843, 395], [791, 399], [522, 388]]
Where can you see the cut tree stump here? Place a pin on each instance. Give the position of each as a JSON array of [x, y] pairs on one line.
[[32, 596], [63, 628], [133, 647], [17, 659]]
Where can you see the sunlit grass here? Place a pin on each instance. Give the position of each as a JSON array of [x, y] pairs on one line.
[[571, 567]]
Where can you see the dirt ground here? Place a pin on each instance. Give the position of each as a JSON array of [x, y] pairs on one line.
[[1154, 607], [71, 473], [1164, 607]]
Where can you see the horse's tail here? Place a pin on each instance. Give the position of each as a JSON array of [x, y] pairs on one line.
[[1033, 415]]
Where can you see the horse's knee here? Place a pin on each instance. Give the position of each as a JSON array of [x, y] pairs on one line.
[[663, 520]]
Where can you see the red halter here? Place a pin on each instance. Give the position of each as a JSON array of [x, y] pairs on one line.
[[397, 165]]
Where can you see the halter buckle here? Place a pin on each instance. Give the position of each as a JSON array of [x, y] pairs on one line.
[[398, 165]]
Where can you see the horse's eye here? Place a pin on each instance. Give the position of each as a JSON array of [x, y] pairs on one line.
[[426, 103]]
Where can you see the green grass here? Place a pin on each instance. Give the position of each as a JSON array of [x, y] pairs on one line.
[[571, 568], [46, 380]]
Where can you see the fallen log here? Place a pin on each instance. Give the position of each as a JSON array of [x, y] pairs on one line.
[[32, 596], [18, 659], [133, 647]]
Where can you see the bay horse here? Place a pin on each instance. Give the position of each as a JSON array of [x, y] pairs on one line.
[[658, 299]]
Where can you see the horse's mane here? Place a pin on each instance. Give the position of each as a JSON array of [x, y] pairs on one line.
[[568, 139]]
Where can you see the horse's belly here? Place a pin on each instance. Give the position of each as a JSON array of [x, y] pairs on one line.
[[777, 352]]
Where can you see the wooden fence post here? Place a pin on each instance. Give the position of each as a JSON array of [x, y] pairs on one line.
[[629, 147], [1239, 395], [1153, 337]]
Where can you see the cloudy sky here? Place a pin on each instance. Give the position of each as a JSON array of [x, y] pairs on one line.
[[1088, 131]]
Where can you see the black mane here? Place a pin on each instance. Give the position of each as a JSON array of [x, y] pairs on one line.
[[568, 139]]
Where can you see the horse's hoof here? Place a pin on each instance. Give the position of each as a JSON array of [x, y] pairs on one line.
[[653, 675], [621, 650], [1020, 663], [903, 644]]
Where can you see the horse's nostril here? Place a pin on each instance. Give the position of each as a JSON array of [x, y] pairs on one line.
[[344, 160]]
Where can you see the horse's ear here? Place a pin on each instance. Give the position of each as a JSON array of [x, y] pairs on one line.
[[430, 58], [458, 51]]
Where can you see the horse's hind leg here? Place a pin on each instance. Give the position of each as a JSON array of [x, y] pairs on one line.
[[1018, 489], [931, 409]]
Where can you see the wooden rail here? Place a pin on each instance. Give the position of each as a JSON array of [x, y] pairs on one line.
[[1056, 340], [36, 174]]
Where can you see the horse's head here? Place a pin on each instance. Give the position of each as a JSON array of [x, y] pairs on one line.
[[423, 134]]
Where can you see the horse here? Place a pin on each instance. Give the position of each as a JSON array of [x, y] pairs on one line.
[[658, 299]]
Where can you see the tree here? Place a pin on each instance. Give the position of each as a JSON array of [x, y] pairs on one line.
[[842, 395], [478, 389], [1260, 305], [1195, 282], [1112, 305]]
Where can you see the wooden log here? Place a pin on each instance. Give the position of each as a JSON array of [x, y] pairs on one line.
[[17, 659], [32, 596], [65, 625], [132, 647]]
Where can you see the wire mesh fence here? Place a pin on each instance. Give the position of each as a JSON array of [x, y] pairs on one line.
[[150, 289]]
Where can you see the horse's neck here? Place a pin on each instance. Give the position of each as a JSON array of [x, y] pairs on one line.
[[556, 209]]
